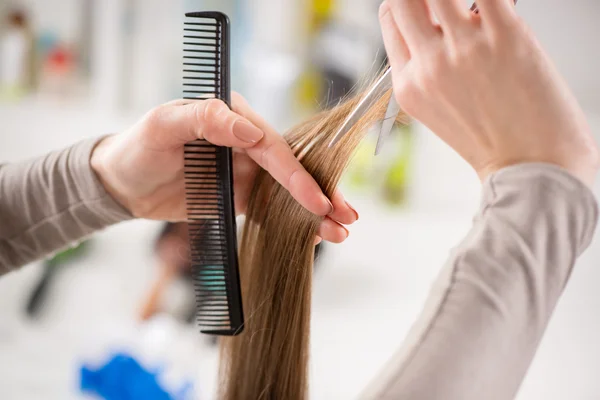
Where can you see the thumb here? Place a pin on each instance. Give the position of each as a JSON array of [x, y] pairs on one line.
[[176, 123]]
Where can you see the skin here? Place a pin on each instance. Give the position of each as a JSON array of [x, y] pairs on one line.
[[142, 168], [484, 85]]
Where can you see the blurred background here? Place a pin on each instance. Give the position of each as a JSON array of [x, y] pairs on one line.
[[116, 308]]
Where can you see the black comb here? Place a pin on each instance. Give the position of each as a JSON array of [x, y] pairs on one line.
[[209, 181]]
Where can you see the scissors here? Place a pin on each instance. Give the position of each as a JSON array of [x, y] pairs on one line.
[[380, 87]]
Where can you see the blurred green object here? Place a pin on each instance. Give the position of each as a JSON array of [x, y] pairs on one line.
[[387, 174], [396, 179], [69, 254], [12, 93], [360, 168], [38, 295]]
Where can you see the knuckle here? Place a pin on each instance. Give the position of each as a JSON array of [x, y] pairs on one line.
[[207, 117], [512, 25], [266, 154], [208, 111], [154, 116], [290, 179], [469, 50]]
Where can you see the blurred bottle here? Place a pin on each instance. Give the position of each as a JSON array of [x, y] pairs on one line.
[[271, 83], [16, 56], [58, 71], [311, 85], [275, 58]]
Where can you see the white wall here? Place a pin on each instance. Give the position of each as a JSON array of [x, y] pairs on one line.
[[569, 31]]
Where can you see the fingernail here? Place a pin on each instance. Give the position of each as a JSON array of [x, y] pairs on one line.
[[347, 232], [247, 132], [330, 205], [353, 209]]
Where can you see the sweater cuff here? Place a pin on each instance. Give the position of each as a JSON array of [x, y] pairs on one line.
[[579, 201], [94, 196]]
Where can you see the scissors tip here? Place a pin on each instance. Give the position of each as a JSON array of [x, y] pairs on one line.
[[339, 134]]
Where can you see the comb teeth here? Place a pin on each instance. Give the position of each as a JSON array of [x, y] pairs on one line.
[[209, 182], [203, 44]]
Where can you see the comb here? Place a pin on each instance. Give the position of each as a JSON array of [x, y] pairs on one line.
[[209, 181]]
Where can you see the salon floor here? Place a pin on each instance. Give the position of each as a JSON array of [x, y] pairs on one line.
[[367, 293]]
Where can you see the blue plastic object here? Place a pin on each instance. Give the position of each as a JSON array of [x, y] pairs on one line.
[[123, 378]]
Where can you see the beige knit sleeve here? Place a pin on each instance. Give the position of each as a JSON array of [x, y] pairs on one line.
[[50, 203], [488, 310]]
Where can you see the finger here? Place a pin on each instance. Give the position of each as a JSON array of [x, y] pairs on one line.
[[452, 14], [497, 13], [414, 23], [244, 174], [394, 43], [332, 232], [342, 210], [273, 154], [180, 122]]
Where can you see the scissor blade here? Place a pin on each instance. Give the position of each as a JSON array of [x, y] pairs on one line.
[[388, 122], [381, 86]]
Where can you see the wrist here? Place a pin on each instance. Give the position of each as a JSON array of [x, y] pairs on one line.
[[100, 164]]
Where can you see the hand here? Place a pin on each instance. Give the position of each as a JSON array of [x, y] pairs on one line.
[[143, 167], [484, 85]]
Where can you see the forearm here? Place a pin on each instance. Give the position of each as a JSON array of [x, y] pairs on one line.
[[51, 202], [490, 306]]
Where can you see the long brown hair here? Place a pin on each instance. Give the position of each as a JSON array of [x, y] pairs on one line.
[[269, 359]]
